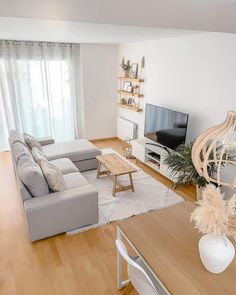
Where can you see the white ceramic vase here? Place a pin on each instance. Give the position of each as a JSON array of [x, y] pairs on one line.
[[216, 253]]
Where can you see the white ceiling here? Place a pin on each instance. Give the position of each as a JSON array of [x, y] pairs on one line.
[[206, 15], [76, 32]]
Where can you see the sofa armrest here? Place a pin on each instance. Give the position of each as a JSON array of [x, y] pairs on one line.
[[61, 211], [46, 140]]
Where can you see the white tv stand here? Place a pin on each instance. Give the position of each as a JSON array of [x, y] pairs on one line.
[[148, 152]]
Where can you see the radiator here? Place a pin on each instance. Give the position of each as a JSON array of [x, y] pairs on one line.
[[126, 128]]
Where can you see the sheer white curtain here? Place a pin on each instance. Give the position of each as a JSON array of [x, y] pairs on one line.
[[39, 91]]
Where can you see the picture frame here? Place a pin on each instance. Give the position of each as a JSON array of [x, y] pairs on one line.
[[130, 89], [134, 71], [126, 85]]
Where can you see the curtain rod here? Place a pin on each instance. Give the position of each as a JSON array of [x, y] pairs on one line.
[[40, 43]]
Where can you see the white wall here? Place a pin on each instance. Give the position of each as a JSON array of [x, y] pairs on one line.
[[194, 74], [99, 67]]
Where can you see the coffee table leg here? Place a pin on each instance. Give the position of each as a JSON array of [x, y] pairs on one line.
[[98, 171], [131, 181], [114, 186]]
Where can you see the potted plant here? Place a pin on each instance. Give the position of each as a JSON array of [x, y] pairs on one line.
[[183, 170], [216, 219], [125, 67]]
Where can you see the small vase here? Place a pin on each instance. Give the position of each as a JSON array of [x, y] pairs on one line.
[[216, 253], [124, 74]]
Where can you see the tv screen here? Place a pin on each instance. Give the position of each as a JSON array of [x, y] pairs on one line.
[[166, 127]]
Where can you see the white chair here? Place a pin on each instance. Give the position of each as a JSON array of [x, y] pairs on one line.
[[141, 278]]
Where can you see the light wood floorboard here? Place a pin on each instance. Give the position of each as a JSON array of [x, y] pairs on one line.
[[80, 264]]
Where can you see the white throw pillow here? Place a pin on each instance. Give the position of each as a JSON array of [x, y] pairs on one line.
[[38, 155], [53, 176], [32, 141]]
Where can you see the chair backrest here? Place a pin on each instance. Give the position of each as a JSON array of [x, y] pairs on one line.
[[139, 278]]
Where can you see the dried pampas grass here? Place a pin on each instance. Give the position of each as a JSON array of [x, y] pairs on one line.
[[232, 227], [214, 215]]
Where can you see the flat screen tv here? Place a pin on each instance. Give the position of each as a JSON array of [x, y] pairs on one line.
[[164, 126]]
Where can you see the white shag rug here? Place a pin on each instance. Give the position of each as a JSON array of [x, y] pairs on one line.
[[149, 195]]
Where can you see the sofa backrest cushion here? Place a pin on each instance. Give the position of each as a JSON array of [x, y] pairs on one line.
[[32, 176], [53, 176], [15, 136], [24, 192], [19, 150], [32, 141], [38, 155]]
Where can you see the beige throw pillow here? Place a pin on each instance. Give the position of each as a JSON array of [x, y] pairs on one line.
[[38, 155], [32, 141], [53, 176]]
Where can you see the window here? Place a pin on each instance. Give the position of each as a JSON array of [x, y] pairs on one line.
[[37, 93]]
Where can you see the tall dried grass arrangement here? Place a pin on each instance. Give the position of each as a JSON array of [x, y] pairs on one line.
[[214, 215]]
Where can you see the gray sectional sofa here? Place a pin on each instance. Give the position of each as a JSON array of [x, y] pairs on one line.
[[58, 212]]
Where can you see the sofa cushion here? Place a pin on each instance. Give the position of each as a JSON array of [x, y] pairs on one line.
[[19, 150], [15, 136], [65, 165], [74, 180], [32, 141], [38, 155], [32, 176], [76, 150], [24, 192], [53, 176]]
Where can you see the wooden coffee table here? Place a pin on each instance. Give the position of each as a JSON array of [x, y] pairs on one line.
[[115, 166]]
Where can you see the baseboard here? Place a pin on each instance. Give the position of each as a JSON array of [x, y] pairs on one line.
[[104, 139]]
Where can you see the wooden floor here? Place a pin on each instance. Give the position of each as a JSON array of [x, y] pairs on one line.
[[80, 264]]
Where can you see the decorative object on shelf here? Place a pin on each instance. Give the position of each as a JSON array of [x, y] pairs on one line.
[[223, 135], [127, 148], [134, 71], [142, 67], [136, 89], [130, 102], [216, 219], [123, 101], [130, 89], [125, 67], [126, 85]]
